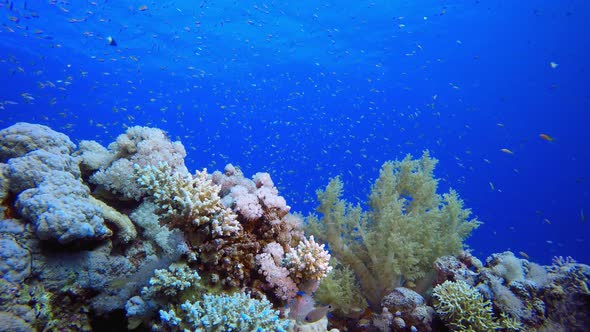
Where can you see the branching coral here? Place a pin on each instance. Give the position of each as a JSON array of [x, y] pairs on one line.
[[300, 269], [192, 201], [227, 243], [463, 308], [171, 281], [309, 261], [238, 312], [270, 263], [407, 227]]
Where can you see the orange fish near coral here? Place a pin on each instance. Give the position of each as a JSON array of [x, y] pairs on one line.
[[546, 137]]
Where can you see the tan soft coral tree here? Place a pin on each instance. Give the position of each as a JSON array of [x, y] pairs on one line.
[[408, 225]]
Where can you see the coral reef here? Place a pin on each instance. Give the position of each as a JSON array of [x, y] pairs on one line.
[[341, 288], [515, 293], [406, 228], [15, 261], [125, 237]]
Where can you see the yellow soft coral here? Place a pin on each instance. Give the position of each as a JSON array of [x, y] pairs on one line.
[[406, 228]]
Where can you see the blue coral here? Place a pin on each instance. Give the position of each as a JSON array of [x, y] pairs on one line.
[[237, 312]]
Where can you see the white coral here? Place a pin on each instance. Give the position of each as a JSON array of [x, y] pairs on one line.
[[194, 199], [308, 261], [141, 146]]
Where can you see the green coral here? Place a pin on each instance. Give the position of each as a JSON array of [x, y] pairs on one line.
[[341, 290], [407, 227], [463, 308]]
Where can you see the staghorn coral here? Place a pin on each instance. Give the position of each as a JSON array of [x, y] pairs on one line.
[[237, 312], [406, 228]]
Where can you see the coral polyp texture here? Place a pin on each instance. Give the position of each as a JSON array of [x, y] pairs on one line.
[[91, 232]]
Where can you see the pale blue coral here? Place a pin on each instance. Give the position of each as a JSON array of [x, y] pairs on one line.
[[237, 312], [172, 281]]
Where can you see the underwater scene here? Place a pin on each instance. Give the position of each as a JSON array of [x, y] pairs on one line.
[[266, 165]]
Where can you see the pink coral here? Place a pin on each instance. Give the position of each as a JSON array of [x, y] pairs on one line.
[[246, 203], [277, 276]]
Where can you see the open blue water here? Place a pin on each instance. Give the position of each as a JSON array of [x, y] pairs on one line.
[[308, 90]]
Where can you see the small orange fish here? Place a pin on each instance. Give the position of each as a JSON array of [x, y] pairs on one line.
[[546, 137], [143, 8], [506, 151]]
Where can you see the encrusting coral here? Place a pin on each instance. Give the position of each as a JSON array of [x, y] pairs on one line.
[[406, 228]]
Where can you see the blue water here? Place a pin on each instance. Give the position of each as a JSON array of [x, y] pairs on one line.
[[308, 90]]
